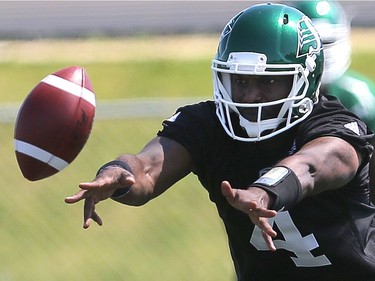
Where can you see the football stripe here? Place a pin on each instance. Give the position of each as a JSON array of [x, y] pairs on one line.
[[40, 154], [70, 87]]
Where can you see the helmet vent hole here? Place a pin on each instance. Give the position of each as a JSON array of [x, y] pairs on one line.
[[285, 19]]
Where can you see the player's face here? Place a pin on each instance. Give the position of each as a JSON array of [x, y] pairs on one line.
[[252, 89]]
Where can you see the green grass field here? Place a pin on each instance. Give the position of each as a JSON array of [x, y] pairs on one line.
[[175, 237]]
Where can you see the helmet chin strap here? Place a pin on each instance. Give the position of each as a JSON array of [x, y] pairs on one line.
[[255, 129]]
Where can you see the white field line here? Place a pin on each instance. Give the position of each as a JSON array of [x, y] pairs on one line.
[[118, 109]]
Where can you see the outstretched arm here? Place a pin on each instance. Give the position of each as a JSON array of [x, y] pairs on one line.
[[144, 176], [323, 164]]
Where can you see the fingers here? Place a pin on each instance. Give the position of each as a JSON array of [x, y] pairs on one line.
[[269, 242], [248, 202], [267, 231], [101, 188], [262, 212], [263, 224], [88, 209], [95, 217], [90, 214], [243, 200], [112, 178], [89, 185], [76, 197]]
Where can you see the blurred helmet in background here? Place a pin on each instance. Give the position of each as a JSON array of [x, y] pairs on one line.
[[330, 20]]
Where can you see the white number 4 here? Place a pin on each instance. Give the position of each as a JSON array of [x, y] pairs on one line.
[[294, 242]]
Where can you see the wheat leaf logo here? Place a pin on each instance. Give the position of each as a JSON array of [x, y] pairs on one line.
[[308, 38]]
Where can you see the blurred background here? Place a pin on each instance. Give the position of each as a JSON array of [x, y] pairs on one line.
[[41, 19], [145, 58]]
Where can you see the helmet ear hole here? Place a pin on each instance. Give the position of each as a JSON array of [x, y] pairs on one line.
[[285, 19]]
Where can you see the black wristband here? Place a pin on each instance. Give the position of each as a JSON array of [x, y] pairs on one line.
[[283, 185], [117, 163]]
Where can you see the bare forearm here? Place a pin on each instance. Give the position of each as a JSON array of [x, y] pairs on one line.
[[331, 168], [139, 192], [160, 164]]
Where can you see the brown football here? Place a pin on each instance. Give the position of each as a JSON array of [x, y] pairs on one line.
[[54, 123]]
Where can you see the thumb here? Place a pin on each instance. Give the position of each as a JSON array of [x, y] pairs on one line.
[[227, 191], [127, 180]]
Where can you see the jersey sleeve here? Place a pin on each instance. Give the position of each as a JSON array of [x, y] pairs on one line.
[[193, 127], [330, 118]]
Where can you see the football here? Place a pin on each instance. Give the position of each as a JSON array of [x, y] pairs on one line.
[[54, 123]]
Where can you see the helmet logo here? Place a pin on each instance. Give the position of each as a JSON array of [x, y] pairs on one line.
[[308, 38], [228, 28]]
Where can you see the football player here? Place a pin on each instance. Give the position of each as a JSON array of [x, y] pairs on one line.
[[286, 167], [354, 90]]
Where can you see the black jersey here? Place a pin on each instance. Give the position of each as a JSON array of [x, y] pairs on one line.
[[330, 236]]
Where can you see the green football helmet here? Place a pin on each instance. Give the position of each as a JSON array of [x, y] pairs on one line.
[[267, 39], [333, 26]]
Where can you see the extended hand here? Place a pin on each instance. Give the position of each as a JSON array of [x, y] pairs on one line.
[[101, 188], [253, 202]]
